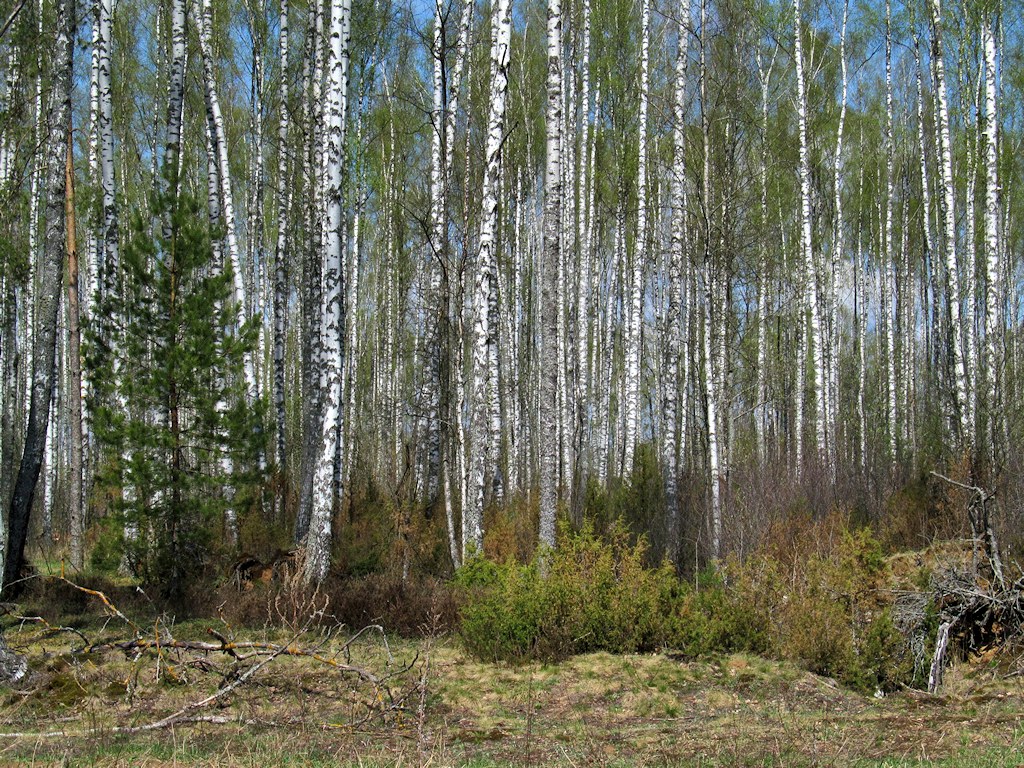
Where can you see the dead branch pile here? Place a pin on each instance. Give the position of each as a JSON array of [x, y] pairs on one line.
[[231, 662], [972, 609]]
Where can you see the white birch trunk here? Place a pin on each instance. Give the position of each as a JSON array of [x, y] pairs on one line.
[[862, 321], [674, 318], [886, 274], [811, 277], [318, 540], [280, 256], [483, 334], [219, 142], [633, 337], [175, 96], [584, 263], [761, 407], [993, 286], [838, 256], [711, 381], [550, 287], [961, 404], [968, 276]]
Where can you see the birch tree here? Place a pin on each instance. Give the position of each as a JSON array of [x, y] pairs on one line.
[[218, 141], [993, 269], [483, 333], [811, 277], [549, 276], [631, 411], [964, 427], [281, 252], [58, 126], [676, 280], [318, 540]]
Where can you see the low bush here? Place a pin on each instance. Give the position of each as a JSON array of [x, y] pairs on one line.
[[597, 594], [712, 617], [825, 612]]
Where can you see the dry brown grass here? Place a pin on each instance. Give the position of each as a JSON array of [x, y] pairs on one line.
[[598, 709]]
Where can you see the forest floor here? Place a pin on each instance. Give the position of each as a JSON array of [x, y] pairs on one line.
[[433, 705]]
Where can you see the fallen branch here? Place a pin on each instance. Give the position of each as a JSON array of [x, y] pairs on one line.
[[216, 719], [181, 716], [231, 648], [49, 629]]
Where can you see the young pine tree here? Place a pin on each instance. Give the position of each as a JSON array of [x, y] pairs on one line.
[[181, 401]]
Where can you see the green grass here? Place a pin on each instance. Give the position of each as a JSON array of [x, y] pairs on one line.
[[599, 710]]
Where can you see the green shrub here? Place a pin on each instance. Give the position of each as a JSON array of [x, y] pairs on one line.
[[712, 617], [823, 612], [597, 595]]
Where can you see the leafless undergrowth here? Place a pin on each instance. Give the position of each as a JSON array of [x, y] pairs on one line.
[[152, 657]]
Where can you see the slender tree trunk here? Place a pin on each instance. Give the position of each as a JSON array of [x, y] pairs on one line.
[[961, 406], [584, 299], [933, 330], [76, 495], [318, 540], [887, 274], [993, 284], [633, 338], [811, 277], [760, 409], [219, 141], [280, 267], [711, 388], [674, 318], [838, 257], [48, 299], [550, 287], [483, 333], [862, 322]]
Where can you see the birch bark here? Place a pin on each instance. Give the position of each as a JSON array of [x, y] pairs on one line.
[[218, 140], [993, 285], [280, 256], [961, 406], [483, 333], [673, 318], [50, 271], [633, 338], [811, 276], [318, 539], [550, 288]]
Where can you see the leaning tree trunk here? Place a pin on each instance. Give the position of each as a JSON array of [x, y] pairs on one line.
[[218, 141], [47, 300]]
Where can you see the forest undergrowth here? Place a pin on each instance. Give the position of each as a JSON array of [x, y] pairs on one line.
[[817, 647]]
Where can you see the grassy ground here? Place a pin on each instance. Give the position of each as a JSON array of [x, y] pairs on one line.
[[436, 706]]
